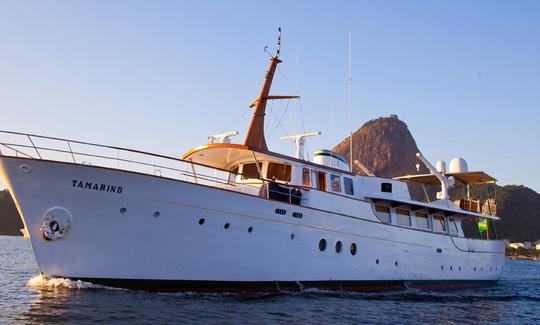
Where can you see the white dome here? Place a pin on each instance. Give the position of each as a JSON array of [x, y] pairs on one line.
[[458, 165], [440, 166]]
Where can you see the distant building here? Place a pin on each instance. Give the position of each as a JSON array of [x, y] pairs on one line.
[[515, 245], [538, 247]]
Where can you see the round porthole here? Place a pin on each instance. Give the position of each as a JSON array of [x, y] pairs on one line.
[[322, 245], [442, 267], [451, 268], [201, 221], [339, 247], [156, 214], [227, 225], [353, 249], [475, 269], [250, 230], [377, 261], [395, 263], [292, 236], [123, 210]]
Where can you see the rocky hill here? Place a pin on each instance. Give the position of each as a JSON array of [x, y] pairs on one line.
[[10, 223], [385, 146]]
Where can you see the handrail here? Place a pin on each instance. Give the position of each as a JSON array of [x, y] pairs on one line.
[[181, 172]]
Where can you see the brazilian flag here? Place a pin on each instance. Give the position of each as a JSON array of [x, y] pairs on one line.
[[483, 225]]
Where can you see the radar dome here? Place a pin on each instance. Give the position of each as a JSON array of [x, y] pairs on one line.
[[458, 165], [440, 166]]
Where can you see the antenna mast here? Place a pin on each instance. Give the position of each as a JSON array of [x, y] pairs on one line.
[[350, 103]]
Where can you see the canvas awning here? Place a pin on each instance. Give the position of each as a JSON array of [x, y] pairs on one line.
[[468, 178]]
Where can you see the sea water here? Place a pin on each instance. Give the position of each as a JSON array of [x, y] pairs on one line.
[[27, 297]]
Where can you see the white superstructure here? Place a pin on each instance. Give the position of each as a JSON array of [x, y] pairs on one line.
[[235, 217]]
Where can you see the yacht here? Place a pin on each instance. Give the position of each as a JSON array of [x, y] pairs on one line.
[[229, 217]]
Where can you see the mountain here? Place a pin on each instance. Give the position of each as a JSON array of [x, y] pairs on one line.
[[387, 148], [519, 210], [10, 223]]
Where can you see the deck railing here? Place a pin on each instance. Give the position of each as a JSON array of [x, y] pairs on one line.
[[85, 153]]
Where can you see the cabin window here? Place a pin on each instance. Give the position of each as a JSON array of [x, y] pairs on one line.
[[321, 181], [280, 172], [250, 171], [306, 177], [422, 220], [348, 184], [453, 226], [335, 183], [403, 217], [438, 224], [314, 179], [383, 213]]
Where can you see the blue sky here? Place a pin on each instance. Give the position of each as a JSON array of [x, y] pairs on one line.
[[163, 75]]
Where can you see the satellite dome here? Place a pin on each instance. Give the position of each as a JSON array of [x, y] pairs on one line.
[[458, 165]]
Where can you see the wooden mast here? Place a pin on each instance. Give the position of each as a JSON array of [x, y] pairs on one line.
[[255, 136]]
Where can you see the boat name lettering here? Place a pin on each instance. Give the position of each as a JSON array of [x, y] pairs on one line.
[[97, 186]]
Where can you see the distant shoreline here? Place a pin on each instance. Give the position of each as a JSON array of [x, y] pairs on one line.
[[522, 257]]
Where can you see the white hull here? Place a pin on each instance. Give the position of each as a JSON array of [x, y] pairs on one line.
[[106, 244]]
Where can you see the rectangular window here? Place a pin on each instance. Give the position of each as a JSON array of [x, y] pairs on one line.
[[438, 223], [280, 172], [321, 181], [383, 213], [348, 183], [422, 220], [386, 187], [453, 226], [251, 171], [314, 179], [335, 183], [403, 217], [306, 177]]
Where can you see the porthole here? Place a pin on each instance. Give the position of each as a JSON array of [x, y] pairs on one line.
[[482, 268], [459, 268], [339, 247], [395, 263], [490, 269], [297, 215], [156, 214], [442, 267], [123, 210], [353, 249], [292, 236], [250, 230], [475, 269], [377, 261], [281, 211], [201, 221], [227, 225], [451, 268], [322, 245]]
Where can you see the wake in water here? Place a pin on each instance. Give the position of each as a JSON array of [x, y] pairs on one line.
[[42, 282]]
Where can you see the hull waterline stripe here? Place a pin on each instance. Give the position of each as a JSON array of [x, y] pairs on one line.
[[277, 286]]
